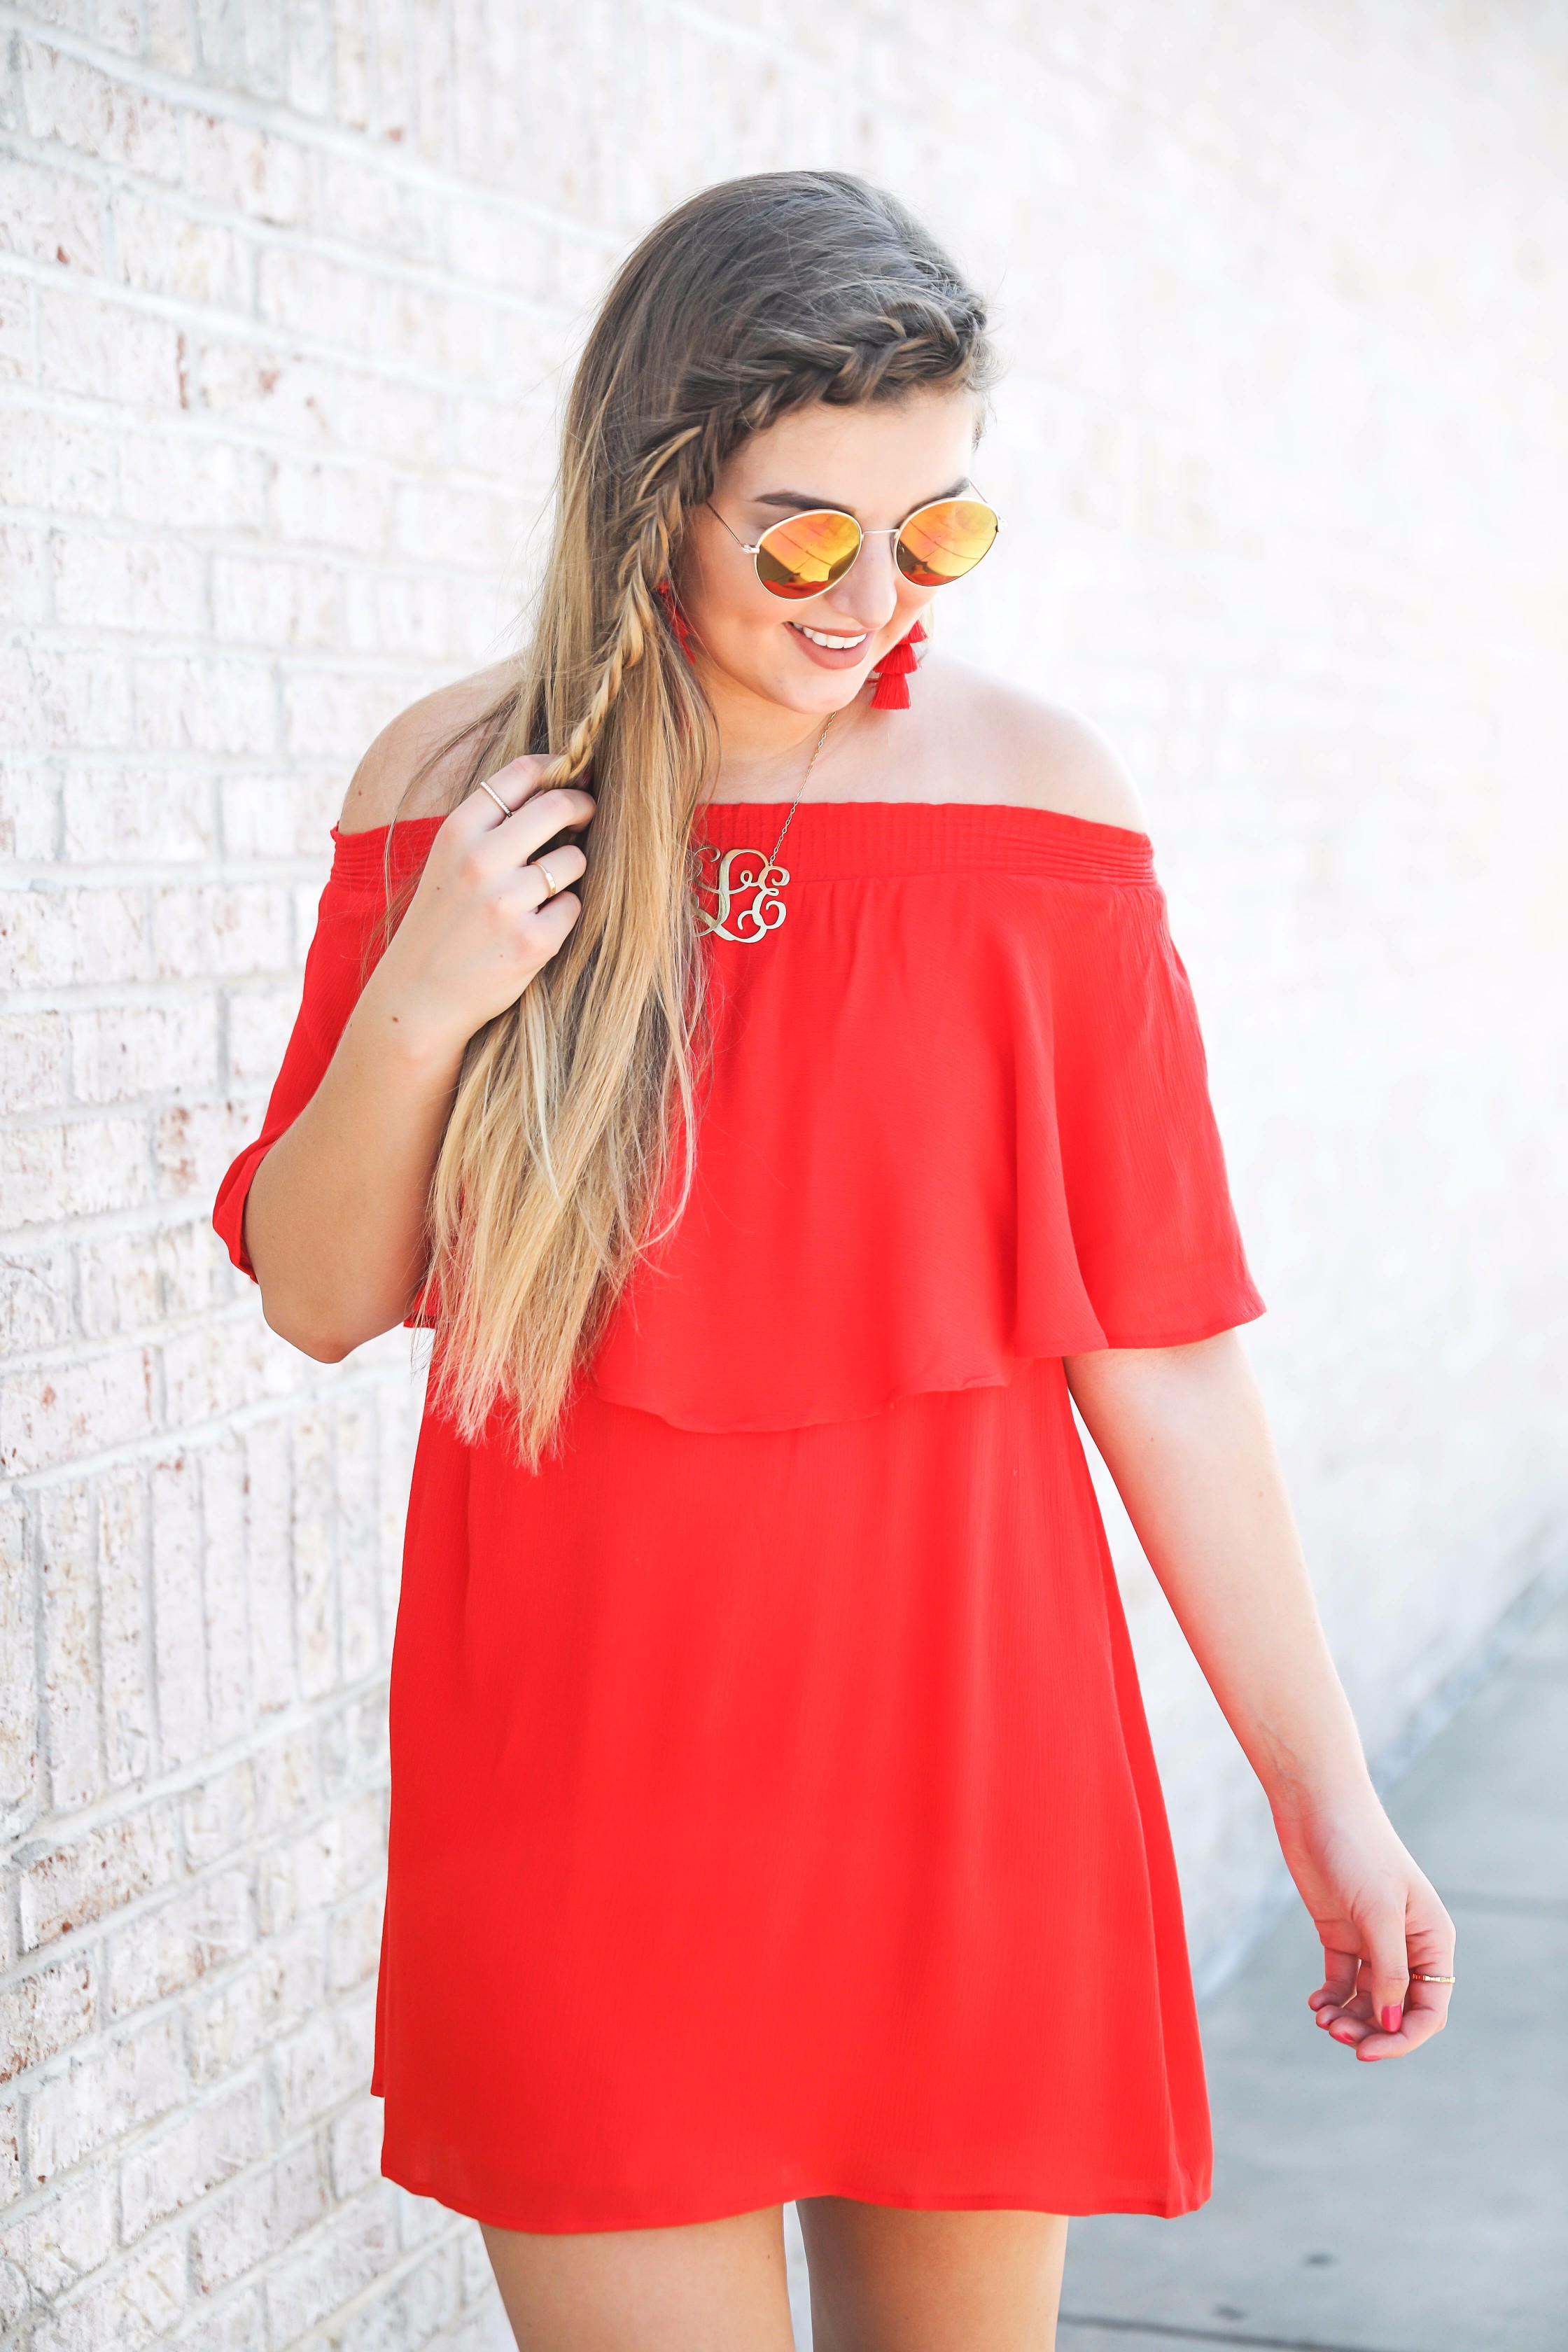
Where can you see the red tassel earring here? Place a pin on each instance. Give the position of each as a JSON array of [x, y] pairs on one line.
[[678, 620], [893, 669]]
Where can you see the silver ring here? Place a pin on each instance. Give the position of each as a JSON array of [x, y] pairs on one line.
[[549, 887], [498, 800]]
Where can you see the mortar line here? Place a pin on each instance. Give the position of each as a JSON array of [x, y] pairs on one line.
[[91, 637], [44, 2193], [57, 404], [213, 322], [262, 230], [192, 96], [238, 1419], [55, 1832], [239, 546]]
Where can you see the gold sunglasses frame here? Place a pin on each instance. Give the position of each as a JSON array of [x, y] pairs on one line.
[[896, 533]]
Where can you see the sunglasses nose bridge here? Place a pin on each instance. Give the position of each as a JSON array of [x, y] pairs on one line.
[[866, 593]]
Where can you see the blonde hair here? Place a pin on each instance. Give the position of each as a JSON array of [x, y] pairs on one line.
[[569, 1149]]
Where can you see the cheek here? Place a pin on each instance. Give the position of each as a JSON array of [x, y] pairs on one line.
[[726, 602]]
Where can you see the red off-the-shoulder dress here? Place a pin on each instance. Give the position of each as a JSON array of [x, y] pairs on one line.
[[773, 1812]]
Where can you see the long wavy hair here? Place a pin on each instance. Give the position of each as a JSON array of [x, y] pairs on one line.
[[569, 1149]]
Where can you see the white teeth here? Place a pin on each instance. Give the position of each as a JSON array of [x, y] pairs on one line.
[[834, 644]]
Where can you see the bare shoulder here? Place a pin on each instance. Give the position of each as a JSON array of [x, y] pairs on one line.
[[409, 770], [1018, 748]]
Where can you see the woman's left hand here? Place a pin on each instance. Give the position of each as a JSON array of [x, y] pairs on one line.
[[1380, 1919], [1183, 1433]]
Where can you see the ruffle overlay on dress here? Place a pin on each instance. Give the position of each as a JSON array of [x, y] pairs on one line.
[[956, 1118]]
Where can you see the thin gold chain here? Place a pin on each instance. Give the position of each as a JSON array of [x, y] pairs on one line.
[[801, 794]]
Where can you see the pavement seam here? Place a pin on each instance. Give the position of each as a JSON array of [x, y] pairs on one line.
[[1524, 1906], [1206, 2334]]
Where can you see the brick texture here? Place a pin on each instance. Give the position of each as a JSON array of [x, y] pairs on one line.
[[285, 290]]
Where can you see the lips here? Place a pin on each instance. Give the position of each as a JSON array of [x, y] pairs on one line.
[[839, 652]]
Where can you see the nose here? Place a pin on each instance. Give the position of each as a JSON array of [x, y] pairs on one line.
[[868, 595]]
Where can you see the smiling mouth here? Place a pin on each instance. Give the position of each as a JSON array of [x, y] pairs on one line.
[[831, 645]]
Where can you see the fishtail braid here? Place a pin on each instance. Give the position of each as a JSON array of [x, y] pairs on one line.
[[654, 526], [569, 1151]]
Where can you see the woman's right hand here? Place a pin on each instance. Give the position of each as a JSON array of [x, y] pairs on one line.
[[483, 919]]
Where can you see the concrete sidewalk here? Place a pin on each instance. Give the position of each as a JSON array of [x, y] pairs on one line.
[[1414, 2207]]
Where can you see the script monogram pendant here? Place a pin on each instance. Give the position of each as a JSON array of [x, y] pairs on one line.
[[739, 897]]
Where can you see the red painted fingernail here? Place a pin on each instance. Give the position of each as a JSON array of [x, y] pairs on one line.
[[1390, 2017]]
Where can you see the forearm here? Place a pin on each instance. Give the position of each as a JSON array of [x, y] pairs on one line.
[[1184, 1434], [335, 1224]]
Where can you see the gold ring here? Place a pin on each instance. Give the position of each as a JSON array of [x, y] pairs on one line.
[[1417, 1977], [549, 887], [498, 800]]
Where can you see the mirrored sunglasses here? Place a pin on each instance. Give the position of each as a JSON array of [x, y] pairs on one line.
[[807, 554]]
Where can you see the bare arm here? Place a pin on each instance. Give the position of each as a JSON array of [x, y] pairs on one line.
[[1183, 1432], [335, 1220]]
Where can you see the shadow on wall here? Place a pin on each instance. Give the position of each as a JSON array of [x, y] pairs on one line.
[[1284, 460]]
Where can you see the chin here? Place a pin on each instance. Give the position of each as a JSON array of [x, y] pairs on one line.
[[823, 692]]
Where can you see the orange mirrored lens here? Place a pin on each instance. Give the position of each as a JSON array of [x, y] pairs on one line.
[[943, 541], [807, 554]]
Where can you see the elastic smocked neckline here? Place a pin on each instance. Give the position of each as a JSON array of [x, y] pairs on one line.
[[829, 838], [833, 838], [360, 858]]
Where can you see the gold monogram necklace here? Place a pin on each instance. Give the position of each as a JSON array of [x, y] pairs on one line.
[[746, 889]]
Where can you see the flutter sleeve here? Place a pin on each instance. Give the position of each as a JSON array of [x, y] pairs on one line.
[[1144, 1171], [956, 1118], [348, 938]]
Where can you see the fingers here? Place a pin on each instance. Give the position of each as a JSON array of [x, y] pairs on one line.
[[513, 793], [1425, 2013], [1428, 1940], [550, 923], [517, 782], [547, 876], [1383, 1981], [533, 927], [1388, 1970], [1341, 2005], [1339, 1983], [1376, 2002]]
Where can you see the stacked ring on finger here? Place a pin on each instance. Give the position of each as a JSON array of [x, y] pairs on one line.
[[551, 884]]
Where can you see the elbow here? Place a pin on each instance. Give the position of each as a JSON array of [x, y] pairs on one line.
[[312, 1338], [323, 1350]]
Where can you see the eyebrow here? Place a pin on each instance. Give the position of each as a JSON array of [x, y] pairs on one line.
[[805, 501]]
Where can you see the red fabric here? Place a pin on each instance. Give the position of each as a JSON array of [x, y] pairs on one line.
[[772, 1807], [892, 671], [960, 1118], [678, 620], [346, 948]]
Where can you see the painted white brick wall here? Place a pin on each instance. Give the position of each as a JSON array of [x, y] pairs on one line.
[[284, 293]]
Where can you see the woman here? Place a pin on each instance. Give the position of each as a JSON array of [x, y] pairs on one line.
[[768, 1069]]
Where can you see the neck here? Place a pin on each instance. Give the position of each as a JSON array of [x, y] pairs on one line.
[[763, 747]]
